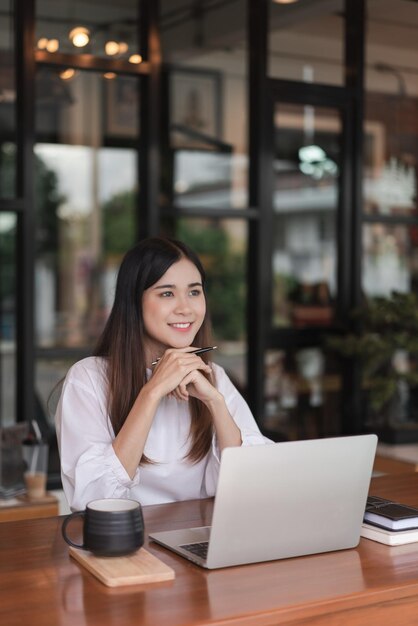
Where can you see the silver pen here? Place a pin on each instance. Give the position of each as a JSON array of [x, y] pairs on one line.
[[198, 351]]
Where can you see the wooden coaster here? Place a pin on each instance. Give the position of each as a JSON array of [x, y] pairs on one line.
[[134, 569], [48, 497]]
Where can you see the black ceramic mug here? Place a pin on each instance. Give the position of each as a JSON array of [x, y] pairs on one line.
[[111, 527]]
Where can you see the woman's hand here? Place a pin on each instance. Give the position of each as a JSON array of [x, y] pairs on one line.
[[173, 369], [180, 373], [197, 386]]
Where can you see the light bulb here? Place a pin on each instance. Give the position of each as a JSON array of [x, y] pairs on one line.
[[109, 75], [135, 58], [111, 48], [80, 36], [67, 74], [311, 154], [42, 43], [52, 45]]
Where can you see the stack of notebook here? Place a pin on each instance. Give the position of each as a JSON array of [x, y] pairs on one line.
[[390, 522]]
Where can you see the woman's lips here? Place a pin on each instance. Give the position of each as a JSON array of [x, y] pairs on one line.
[[181, 326]]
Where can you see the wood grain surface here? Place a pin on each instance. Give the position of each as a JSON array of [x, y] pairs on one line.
[[24, 508], [40, 584], [139, 568]]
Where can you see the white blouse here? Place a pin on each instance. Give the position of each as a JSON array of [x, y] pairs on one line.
[[90, 468]]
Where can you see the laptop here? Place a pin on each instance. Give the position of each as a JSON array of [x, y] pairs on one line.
[[282, 500]]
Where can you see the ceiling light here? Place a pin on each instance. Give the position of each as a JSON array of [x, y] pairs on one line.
[[109, 75], [79, 36], [284, 1], [135, 58], [67, 74], [42, 43], [52, 45], [310, 154], [315, 162], [111, 48]]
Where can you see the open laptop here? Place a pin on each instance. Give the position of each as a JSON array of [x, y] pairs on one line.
[[282, 500]]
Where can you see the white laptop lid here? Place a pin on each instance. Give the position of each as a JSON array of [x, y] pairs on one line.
[[287, 499]]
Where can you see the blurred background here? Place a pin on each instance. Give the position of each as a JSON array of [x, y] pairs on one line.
[[278, 139]]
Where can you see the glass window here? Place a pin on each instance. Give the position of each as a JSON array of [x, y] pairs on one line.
[[104, 28], [86, 197], [222, 247], [305, 202], [7, 102], [306, 41], [390, 259], [391, 120], [302, 394], [206, 161], [8, 223]]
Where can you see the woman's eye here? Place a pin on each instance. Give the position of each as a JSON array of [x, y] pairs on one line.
[[166, 294], [195, 292]]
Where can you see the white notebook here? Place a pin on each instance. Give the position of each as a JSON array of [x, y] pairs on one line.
[[389, 537]]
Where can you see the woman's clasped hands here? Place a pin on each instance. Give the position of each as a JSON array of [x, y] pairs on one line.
[[180, 373]]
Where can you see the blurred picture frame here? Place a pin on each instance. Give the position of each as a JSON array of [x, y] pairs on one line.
[[122, 107], [195, 103]]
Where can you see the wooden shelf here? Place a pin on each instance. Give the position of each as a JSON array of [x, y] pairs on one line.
[[21, 508]]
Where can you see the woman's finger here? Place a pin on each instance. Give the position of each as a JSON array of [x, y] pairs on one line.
[[174, 368], [180, 392]]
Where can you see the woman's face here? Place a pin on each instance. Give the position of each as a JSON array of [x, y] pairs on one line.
[[173, 309]]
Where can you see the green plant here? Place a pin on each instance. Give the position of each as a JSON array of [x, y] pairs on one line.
[[386, 343], [226, 276], [119, 227]]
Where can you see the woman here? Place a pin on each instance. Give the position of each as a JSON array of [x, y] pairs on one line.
[[154, 433]]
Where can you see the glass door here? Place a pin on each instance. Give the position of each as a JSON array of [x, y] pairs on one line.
[[301, 389]]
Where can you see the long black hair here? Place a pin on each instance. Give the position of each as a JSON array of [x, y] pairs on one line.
[[122, 340]]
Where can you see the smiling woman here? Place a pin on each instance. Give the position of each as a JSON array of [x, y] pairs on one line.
[[130, 430], [174, 308]]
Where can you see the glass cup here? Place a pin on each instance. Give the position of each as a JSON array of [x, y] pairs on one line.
[[35, 457]]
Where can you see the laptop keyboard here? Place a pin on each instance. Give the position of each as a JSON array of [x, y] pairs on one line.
[[200, 549]]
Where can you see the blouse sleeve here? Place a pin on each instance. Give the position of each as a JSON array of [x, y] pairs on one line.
[[90, 468], [242, 416]]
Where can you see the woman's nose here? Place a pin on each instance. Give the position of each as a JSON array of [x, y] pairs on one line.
[[183, 304]]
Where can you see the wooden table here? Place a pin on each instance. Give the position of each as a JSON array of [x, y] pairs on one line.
[[21, 508], [396, 459], [372, 584]]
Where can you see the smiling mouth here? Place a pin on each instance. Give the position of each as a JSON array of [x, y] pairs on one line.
[[181, 326]]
